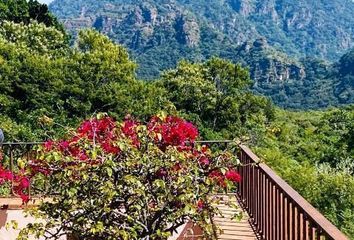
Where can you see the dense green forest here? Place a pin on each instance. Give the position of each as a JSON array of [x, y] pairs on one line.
[[48, 85], [313, 151], [292, 48]]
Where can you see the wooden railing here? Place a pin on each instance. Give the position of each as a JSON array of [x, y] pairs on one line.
[[276, 210]]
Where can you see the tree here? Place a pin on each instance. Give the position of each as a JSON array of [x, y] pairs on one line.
[[42, 76], [129, 180], [23, 11], [214, 94], [34, 37]]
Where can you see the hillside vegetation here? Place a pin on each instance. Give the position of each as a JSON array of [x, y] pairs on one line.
[[292, 48], [314, 153]]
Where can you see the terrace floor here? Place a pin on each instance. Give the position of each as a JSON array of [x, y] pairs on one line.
[[234, 229], [231, 229]]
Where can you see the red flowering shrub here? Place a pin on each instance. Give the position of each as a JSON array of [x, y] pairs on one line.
[[233, 176], [129, 180], [172, 131], [5, 175], [19, 181]]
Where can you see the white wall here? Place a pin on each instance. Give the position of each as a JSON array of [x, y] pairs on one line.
[[6, 216]]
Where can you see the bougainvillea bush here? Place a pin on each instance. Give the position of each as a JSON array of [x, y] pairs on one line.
[[16, 183], [129, 180]]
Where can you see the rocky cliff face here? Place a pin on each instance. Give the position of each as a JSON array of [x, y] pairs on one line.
[[268, 36], [268, 65], [142, 23], [187, 31], [344, 86], [244, 7], [307, 28], [301, 28]]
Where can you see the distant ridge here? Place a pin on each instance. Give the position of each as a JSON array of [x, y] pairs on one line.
[[291, 47]]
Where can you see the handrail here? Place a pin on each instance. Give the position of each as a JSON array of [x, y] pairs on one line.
[[276, 209]]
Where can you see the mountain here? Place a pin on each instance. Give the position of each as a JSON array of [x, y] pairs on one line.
[[281, 41], [344, 88], [306, 28], [297, 83]]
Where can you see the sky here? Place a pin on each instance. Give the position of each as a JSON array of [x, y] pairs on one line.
[[45, 1]]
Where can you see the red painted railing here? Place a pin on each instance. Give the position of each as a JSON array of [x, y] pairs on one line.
[[276, 210]]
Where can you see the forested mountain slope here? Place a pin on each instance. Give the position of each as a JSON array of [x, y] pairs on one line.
[[289, 46], [307, 28]]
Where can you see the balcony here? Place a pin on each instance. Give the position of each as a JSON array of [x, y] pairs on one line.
[[272, 209]]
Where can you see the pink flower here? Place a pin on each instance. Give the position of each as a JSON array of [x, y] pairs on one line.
[[233, 176], [204, 161], [97, 128], [172, 131], [105, 124], [5, 175], [108, 148], [9, 175], [24, 183], [63, 146], [38, 166], [48, 145], [83, 156], [217, 176], [85, 127], [129, 130]]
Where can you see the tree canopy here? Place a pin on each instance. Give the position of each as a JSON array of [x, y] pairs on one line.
[[23, 11], [42, 77], [216, 95]]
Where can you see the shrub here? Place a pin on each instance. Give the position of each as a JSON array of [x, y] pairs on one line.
[[129, 180]]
